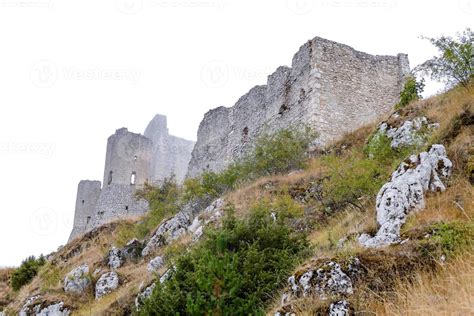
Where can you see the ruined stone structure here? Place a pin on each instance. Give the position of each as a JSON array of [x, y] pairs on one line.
[[131, 160], [330, 87]]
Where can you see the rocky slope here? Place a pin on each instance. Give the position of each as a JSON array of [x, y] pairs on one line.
[[369, 239]]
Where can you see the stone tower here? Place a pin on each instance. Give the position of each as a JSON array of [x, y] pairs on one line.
[[131, 160], [170, 154], [128, 159], [330, 87], [88, 193]]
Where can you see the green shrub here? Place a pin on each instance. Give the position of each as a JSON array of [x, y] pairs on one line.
[[26, 272], [275, 153], [234, 271], [453, 236], [411, 92], [351, 177], [379, 148], [163, 201]]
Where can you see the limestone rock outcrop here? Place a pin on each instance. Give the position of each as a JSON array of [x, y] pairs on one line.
[[107, 283], [408, 133], [155, 264], [340, 308], [115, 258], [143, 295], [77, 280], [405, 191]]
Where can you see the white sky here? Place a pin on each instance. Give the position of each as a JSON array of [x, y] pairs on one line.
[[72, 72]]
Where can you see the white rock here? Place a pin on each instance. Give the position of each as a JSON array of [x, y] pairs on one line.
[[405, 193], [77, 280], [340, 308], [170, 230], [115, 258], [329, 279], [155, 264], [166, 275], [107, 283], [54, 310], [142, 296], [305, 280], [408, 133]]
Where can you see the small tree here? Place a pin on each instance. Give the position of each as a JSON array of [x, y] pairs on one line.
[[455, 65], [26, 272], [411, 91]]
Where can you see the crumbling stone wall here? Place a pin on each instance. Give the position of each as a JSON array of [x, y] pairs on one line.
[[330, 87], [170, 154]]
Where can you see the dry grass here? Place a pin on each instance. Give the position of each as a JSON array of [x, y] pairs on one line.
[[455, 203], [447, 292]]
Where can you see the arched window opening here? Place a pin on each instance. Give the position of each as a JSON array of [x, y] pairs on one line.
[[133, 178]]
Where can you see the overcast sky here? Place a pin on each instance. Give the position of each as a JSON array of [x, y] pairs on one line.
[[72, 72]]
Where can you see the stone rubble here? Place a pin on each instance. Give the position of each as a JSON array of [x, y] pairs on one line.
[[405, 193], [107, 283], [77, 280]]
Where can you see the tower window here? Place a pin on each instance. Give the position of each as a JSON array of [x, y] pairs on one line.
[[135, 158], [82, 201], [126, 207], [109, 181], [133, 178]]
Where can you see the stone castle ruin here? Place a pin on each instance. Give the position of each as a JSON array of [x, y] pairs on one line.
[[131, 160], [329, 87]]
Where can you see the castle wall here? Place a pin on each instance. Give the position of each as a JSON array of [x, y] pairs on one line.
[[88, 193], [330, 86]]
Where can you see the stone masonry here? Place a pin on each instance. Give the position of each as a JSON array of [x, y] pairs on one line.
[[131, 160], [330, 87]]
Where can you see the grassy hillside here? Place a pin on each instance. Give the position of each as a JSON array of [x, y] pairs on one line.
[[280, 219]]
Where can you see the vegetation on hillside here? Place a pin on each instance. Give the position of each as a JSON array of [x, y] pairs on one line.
[[288, 210], [26, 272]]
